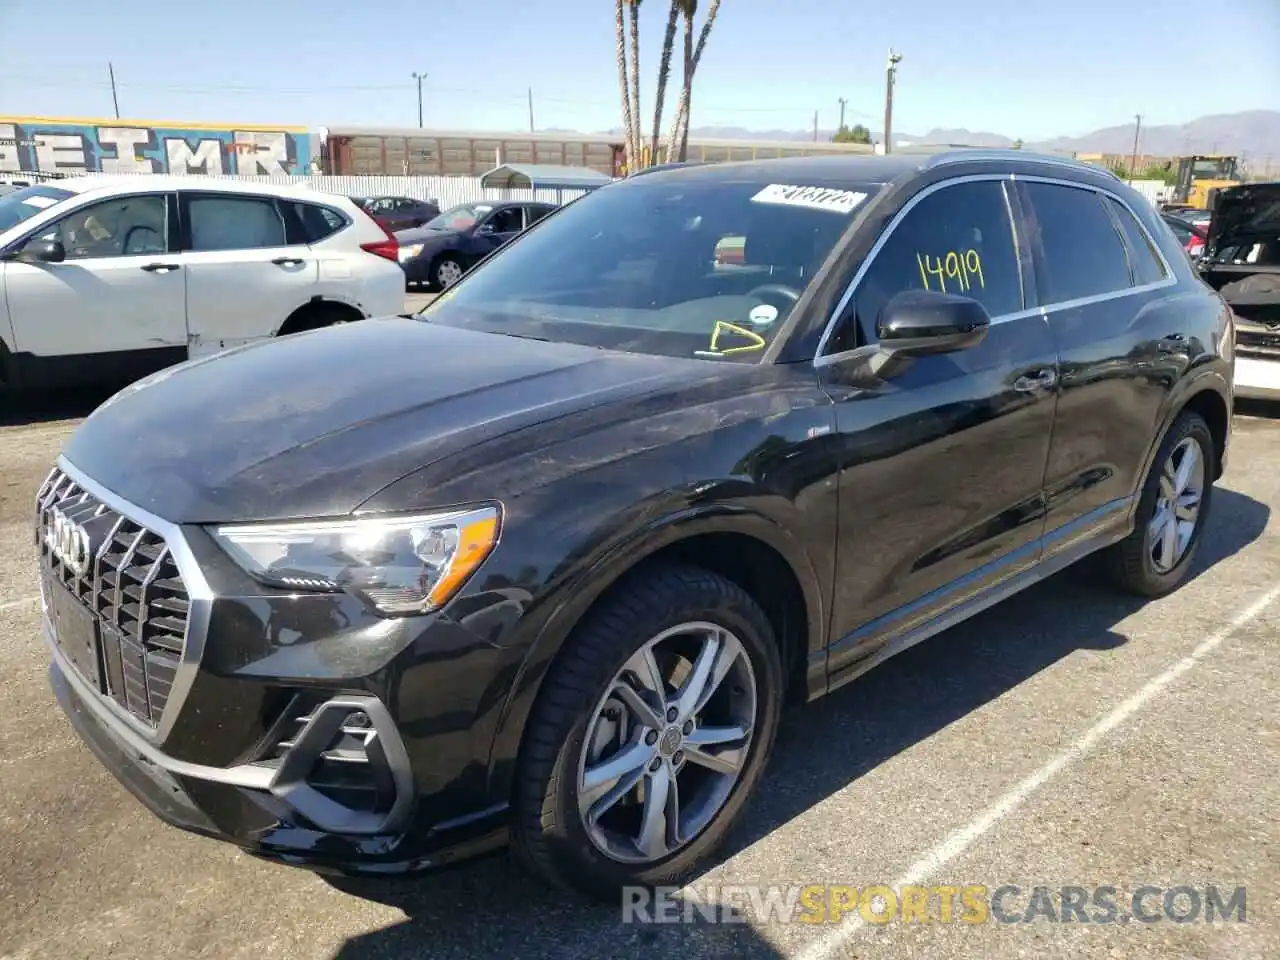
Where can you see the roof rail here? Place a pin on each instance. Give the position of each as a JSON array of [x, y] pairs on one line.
[[985, 153]]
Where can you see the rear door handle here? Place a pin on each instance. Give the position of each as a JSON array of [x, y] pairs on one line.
[[1040, 380], [287, 261], [160, 267]]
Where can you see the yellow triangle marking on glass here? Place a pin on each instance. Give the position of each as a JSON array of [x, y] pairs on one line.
[[732, 328]]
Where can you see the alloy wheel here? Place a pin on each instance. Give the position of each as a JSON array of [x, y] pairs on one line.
[[667, 742], [1177, 510]]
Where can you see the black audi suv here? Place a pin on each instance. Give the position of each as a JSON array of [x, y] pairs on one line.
[[545, 562]]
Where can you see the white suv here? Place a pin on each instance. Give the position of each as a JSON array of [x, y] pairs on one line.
[[108, 279]]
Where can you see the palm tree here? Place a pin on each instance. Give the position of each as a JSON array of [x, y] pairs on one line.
[[637, 136], [664, 77], [692, 56], [627, 122]]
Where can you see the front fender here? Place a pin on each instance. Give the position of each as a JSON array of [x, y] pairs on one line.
[[608, 564]]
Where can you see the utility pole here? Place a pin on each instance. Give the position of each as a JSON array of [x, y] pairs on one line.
[[891, 73], [815, 126], [419, 77], [531, 109], [1137, 131], [115, 102], [843, 101]]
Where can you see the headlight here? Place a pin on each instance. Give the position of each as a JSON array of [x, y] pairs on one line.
[[410, 251], [401, 565]]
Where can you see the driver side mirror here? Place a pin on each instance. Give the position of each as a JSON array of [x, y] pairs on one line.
[[485, 230], [42, 251], [919, 323], [922, 323]]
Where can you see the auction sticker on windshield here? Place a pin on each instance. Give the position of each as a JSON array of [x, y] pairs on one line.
[[815, 198]]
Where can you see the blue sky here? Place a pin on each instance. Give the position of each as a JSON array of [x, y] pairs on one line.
[[1022, 68]]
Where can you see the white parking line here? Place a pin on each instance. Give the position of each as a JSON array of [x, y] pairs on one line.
[[11, 604], [934, 860]]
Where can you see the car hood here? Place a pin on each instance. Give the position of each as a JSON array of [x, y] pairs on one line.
[[315, 424], [1245, 214], [424, 234]]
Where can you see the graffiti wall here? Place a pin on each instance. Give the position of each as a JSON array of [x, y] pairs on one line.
[[50, 145]]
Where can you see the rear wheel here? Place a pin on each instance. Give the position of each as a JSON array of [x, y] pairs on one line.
[[1154, 559], [651, 730]]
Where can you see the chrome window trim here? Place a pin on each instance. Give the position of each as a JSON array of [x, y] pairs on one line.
[[198, 592], [822, 360]]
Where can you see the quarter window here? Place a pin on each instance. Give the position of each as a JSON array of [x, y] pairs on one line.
[[120, 227], [1147, 267], [1081, 253], [235, 223], [955, 240], [314, 222]]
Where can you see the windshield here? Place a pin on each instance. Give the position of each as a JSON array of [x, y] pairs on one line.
[[691, 268], [460, 218], [27, 202]]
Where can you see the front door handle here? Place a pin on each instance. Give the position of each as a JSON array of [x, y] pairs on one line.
[[1040, 380], [160, 267], [287, 261]]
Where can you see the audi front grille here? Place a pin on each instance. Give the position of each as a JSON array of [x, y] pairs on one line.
[[133, 587]]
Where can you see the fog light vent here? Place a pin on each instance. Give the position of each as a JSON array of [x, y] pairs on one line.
[[341, 765]]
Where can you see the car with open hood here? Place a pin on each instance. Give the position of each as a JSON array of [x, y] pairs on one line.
[[545, 561], [1242, 262]]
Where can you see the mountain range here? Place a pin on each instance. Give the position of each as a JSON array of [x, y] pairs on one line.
[[1253, 134]]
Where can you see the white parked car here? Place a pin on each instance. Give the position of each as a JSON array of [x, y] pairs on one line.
[[109, 279]]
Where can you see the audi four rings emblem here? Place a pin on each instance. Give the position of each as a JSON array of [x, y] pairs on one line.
[[69, 542]]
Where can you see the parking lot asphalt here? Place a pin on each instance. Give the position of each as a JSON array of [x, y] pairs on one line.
[[1070, 737]]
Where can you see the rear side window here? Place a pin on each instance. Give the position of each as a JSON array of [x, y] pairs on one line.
[[1082, 254], [1147, 267], [310, 222], [234, 223], [956, 240]]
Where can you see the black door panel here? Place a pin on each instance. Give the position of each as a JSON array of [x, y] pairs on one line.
[[942, 465], [1121, 338]]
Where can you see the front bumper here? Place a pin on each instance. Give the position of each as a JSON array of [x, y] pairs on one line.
[[418, 269], [302, 728]]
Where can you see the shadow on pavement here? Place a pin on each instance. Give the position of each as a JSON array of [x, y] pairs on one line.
[[491, 908]]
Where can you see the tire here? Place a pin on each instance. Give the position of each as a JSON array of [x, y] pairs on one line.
[[446, 271], [550, 832], [1131, 564], [323, 314]]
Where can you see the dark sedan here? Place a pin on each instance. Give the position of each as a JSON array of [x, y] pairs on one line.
[[399, 213], [439, 253]]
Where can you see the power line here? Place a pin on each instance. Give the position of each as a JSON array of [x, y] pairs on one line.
[[483, 96]]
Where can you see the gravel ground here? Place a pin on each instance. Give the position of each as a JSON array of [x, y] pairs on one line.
[[1067, 738]]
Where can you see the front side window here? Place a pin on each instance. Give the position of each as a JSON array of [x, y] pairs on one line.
[[119, 227], [506, 221], [955, 240], [637, 266], [1081, 254], [234, 223]]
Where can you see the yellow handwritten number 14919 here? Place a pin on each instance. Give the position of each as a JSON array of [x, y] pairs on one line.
[[960, 266]]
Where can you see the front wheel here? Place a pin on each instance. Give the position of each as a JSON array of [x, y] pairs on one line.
[[446, 272], [1154, 559], [652, 729]]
